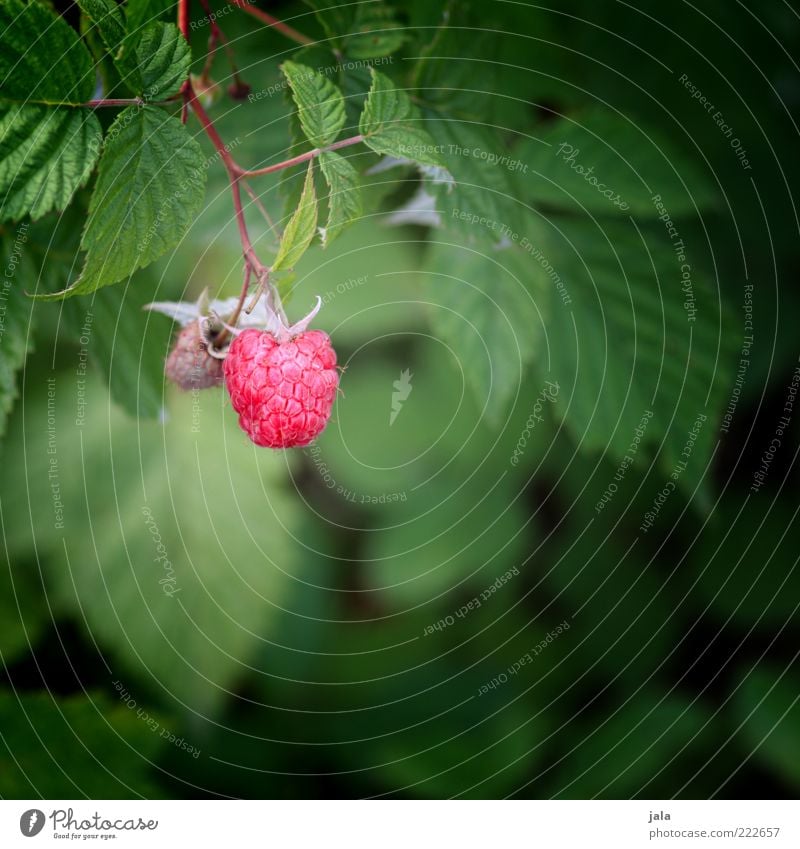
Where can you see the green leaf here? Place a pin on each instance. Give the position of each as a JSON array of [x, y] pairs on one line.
[[16, 316], [186, 580], [360, 30], [79, 746], [390, 124], [623, 341], [481, 191], [344, 199], [497, 321], [109, 20], [149, 189], [440, 546], [43, 60], [301, 227], [610, 165], [47, 153], [374, 32], [319, 102], [163, 58], [140, 13], [124, 342], [766, 703]]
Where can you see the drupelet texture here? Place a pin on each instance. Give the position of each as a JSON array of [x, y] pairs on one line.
[[283, 392]]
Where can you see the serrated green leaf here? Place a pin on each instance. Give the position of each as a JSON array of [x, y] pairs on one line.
[[360, 30], [301, 227], [163, 58], [131, 348], [149, 189], [603, 162], [623, 341], [47, 153], [16, 316], [319, 102], [344, 198], [42, 60], [391, 125], [77, 746], [374, 32], [481, 189], [140, 13], [497, 323], [109, 20]]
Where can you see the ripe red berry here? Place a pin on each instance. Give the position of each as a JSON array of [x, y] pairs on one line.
[[282, 391]]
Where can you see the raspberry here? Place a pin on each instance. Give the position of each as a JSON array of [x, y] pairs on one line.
[[189, 364], [282, 391]]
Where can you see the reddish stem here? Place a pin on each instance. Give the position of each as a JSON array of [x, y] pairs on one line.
[[183, 26], [266, 18], [303, 157], [215, 38]]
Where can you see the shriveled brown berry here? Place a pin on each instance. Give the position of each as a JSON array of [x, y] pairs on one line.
[[189, 365]]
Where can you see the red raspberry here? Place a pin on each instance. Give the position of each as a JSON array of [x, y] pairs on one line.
[[282, 391]]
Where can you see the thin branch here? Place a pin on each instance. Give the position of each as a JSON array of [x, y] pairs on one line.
[[260, 206], [183, 26], [303, 157], [267, 19], [114, 101]]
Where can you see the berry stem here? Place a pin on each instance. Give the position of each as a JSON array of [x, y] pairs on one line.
[[270, 21], [235, 175], [183, 26], [215, 38]]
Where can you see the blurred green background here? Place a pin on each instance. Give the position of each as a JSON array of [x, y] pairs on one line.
[[183, 614]]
